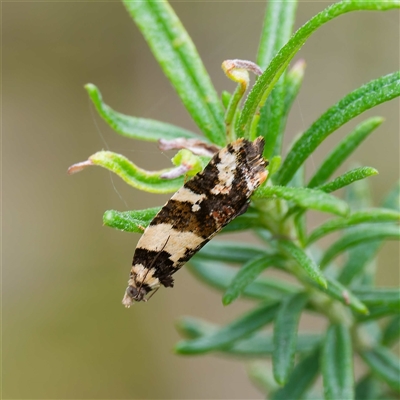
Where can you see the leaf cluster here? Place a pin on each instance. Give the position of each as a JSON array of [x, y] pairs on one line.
[[362, 319]]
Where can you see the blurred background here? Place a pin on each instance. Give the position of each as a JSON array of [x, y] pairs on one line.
[[65, 332]]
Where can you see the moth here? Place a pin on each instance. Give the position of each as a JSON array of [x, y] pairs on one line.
[[194, 215]]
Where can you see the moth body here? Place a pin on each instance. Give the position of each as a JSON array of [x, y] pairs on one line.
[[194, 214]]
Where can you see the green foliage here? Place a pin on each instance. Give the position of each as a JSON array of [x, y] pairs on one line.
[[341, 291]]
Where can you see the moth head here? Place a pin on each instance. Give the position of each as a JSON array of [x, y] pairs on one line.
[[133, 294]]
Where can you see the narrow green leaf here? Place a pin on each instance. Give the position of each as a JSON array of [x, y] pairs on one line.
[[376, 215], [133, 127], [233, 252], [301, 227], [359, 257], [277, 28], [304, 197], [135, 176], [227, 335], [220, 276], [249, 220], [360, 235], [376, 312], [257, 345], [337, 364], [301, 378], [246, 275], [130, 221], [384, 365], [367, 388], [348, 178], [193, 328], [225, 98], [391, 332], [382, 297], [342, 151], [293, 82], [339, 292], [392, 200], [267, 80], [305, 262], [355, 103], [261, 345], [358, 195], [178, 57], [285, 336], [270, 122]]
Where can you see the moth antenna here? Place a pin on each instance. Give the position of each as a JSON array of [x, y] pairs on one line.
[[155, 291]]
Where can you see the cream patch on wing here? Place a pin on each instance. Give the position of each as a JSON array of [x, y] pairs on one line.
[[226, 173], [162, 237], [186, 195]]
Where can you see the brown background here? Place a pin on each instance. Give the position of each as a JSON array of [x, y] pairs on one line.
[[65, 332]]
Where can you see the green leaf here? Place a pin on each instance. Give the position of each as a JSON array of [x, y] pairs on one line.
[[257, 345], [367, 388], [342, 151], [384, 365], [132, 127], [337, 364], [178, 57], [391, 332], [267, 80], [348, 178], [382, 297], [376, 215], [359, 257], [358, 195], [304, 197], [135, 176], [285, 336], [355, 103], [249, 220], [246, 275], [220, 276], [305, 262], [293, 82], [360, 235], [392, 200], [227, 335], [339, 292], [376, 312], [301, 378], [130, 221], [277, 29], [233, 252]]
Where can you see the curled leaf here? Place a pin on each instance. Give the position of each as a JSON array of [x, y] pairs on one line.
[[133, 127], [133, 175]]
